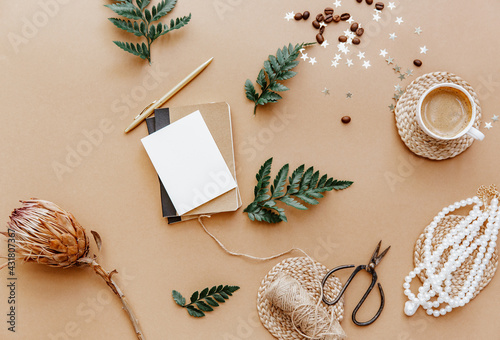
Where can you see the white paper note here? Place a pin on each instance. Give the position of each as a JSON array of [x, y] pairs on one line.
[[189, 163]]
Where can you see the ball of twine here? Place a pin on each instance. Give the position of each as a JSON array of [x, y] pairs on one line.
[[459, 276], [288, 299], [412, 135]]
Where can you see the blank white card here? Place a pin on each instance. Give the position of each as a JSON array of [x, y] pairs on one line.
[[189, 163]]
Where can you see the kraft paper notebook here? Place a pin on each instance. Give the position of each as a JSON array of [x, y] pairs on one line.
[[217, 118]]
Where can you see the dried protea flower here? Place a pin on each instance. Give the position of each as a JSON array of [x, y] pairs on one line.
[[46, 234]]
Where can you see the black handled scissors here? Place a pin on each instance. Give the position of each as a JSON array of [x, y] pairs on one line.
[[370, 268]]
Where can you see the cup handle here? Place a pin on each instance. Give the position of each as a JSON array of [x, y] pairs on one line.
[[475, 133]]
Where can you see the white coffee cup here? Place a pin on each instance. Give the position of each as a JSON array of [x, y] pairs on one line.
[[469, 129]]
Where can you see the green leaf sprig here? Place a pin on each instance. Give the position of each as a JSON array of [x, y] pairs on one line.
[[276, 68], [304, 186], [206, 300], [143, 23]]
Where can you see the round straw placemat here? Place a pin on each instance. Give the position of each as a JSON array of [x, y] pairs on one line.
[[460, 275], [411, 133], [309, 276]]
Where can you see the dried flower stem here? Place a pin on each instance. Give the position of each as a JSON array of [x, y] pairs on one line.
[[108, 277]]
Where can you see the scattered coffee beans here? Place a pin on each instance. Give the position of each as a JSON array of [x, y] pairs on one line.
[[306, 15], [356, 41], [328, 19], [298, 16], [346, 119], [319, 38], [336, 18], [379, 6], [316, 24], [354, 26], [320, 17], [328, 10], [417, 62], [369, 2], [345, 16], [360, 31], [342, 38], [322, 29]]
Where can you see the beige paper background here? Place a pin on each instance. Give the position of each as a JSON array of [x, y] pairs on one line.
[[67, 78]]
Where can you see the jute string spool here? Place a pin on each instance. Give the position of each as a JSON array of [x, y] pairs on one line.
[[308, 274], [308, 316], [412, 135], [460, 275]]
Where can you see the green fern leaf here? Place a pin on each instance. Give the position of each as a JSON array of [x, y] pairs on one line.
[[126, 9], [306, 186], [205, 301], [163, 8], [128, 26]]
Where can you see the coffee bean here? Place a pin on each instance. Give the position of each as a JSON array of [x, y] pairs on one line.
[[417, 62], [298, 16], [319, 38], [379, 6], [369, 2], [328, 19], [346, 119], [345, 16], [320, 17], [336, 18], [359, 1], [322, 29], [356, 41], [360, 31], [328, 10], [342, 38], [306, 15], [354, 26], [316, 24]]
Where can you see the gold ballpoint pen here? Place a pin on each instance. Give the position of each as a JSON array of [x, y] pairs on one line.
[[157, 103]]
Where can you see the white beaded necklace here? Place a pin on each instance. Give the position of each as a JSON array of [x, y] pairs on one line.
[[462, 242]]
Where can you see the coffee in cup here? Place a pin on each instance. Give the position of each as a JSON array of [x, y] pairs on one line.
[[447, 111]]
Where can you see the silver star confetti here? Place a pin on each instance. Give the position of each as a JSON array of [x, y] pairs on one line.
[[423, 50], [396, 97], [361, 55], [337, 3], [383, 53], [289, 16], [366, 64], [402, 77], [326, 91], [322, 24], [397, 88], [312, 61], [487, 125], [418, 30], [325, 44], [391, 107], [399, 20], [304, 57], [348, 95], [409, 72], [376, 17], [389, 60], [338, 57], [393, 36], [335, 63], [391, 6], [349, 62], [397, 69], [350, 20], [495, 118]]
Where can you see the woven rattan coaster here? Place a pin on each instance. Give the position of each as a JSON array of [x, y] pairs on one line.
[[303, 270], [460, 275], [413, 136]]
